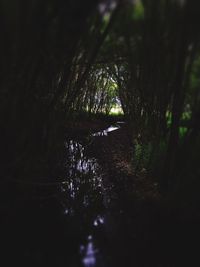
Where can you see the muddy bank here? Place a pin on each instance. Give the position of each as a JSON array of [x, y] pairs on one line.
[[115, 153], [145, 221]]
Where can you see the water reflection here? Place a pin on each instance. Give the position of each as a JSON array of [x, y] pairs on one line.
[[76, 159], [107, 131], [99, 220], [82, 198], [89, 253], [85, 199]]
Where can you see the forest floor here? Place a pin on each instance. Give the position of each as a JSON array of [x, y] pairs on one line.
[[115, 153]]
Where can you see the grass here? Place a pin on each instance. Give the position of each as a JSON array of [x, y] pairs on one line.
[[186, 116], [117, 110]]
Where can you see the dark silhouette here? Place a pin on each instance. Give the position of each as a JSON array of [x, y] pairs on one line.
[[100, 138]]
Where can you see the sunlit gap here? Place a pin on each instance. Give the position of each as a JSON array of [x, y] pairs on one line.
[[116, 103]]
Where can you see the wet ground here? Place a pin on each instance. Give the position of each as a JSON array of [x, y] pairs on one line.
[[86, 218]]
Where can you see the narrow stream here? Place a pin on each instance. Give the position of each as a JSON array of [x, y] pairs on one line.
[[86, 195], [83, 199]]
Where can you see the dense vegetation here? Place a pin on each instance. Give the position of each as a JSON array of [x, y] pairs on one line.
[[63, 58]]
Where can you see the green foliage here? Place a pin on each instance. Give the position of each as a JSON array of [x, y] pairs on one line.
[[138, 10], [150, 156], [195, 79], [182, 131]]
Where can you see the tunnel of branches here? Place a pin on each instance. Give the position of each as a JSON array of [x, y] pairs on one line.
[[69, 64]]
